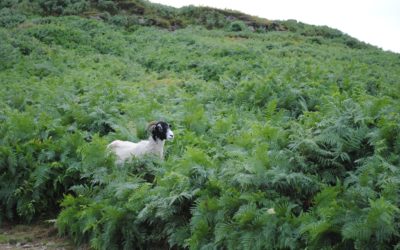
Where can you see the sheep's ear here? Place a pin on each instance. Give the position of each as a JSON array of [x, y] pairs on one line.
[[160, 127]]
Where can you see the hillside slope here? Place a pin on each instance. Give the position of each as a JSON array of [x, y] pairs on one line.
[[287, 135]]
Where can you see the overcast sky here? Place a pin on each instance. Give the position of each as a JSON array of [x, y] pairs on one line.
[[376, 22]]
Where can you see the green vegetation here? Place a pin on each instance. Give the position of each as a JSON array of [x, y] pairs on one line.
[[298, 118]]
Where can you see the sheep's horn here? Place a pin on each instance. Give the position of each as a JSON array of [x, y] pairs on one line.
[[151, 126]]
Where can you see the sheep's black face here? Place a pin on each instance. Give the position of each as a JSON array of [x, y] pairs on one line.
[[162, 131]]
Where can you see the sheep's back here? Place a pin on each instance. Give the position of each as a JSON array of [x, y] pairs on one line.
[[123, 149]]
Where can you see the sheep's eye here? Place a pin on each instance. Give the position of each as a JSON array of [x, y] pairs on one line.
[[170, 126]]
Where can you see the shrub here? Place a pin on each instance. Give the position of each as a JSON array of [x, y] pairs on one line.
[[8, 3], [107, 5], [63, 7], [8, 53], [237, 26], [10, 18]]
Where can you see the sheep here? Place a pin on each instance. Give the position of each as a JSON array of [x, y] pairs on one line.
[[159, 132]]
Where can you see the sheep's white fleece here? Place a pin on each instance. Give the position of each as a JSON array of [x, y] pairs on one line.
[[125, 150]]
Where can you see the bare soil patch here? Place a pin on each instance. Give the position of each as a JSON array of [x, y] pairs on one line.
[[38, 236]]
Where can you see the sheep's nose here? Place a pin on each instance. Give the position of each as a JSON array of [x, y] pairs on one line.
[[170, 135]]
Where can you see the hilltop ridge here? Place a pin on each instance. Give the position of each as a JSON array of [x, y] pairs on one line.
[[133, 13]]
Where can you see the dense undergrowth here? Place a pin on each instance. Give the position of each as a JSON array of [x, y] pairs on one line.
[[303, 119]]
